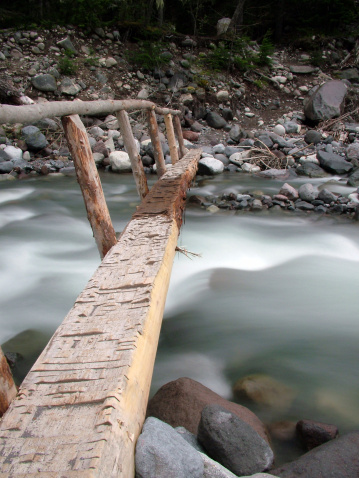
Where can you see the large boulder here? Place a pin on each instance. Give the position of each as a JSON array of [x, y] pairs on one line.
[[34, 139], [210, 166], [120, 162], [162, 453], [336, 458], [180, 403], [44, 82], [214, 120], [326, 101], [232, 442], [313, 434], [333, 163]]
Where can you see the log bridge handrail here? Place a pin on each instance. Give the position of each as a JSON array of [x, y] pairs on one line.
[[80, 409]]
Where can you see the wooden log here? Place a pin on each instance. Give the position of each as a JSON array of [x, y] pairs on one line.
[[90, 183], [31, 113], [81, 407], [156, 143], [178, 131], [136, 162], [171, 138], [7, 385]]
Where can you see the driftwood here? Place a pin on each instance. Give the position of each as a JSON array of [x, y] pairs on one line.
[[80, 409], [90, 184], [32, 113], [7, 385]]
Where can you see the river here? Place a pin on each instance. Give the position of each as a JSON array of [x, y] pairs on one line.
[[273, 294]]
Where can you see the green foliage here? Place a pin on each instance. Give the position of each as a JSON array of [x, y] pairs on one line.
[[67, 66], [148, 56], [91, 61], [239, 54], [316, 58]]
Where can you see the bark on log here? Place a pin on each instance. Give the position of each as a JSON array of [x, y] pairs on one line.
[[136, 162], [81, 407], [171, 138], [31, 113], [156, 143], [178, 131], [7, 385], [90, 184]]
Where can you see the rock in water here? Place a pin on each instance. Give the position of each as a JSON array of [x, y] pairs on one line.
[[162, 453], [337, 458], [181, 402], [326, 101], [210, 166], [232, 442]]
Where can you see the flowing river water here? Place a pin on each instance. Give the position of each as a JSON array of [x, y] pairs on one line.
[[272, 293]]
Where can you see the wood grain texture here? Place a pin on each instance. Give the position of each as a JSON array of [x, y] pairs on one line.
[[156, 143], [80, 409], [90, 183], [171, 138], [178, 131], [135, 158], [7, 385]]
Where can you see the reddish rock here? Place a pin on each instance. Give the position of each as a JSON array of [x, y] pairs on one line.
[[100, 147], [190, 135], [337, 458], [314, 434], [180, 404]]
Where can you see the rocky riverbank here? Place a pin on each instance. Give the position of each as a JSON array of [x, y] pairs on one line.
[[193, 432]]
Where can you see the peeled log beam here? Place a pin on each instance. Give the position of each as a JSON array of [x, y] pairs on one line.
[[156, 143], [7, 385], [90, 183], [32, 113], [135, 158], [81, 407]]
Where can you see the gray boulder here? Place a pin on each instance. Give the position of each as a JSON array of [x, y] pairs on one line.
[[67, 44], [326, 101], [307, 192], [213, 469], [352, 153], [333, 163], [313, 137], [34, 139], [44, 82], [162, 453], [210, 166], [337, 458], [6, 167], [232, 442], [289, 191], [237, 133], [327, 196], [69, 87], [302, 69], [311, 170], [190, 438], [214, 120], [304, 206]]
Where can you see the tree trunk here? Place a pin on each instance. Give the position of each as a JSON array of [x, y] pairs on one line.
[[237, 19]]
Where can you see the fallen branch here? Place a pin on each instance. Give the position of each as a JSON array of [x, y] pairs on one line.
[[187, 253]]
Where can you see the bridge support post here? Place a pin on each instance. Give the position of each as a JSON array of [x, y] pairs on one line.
[[90, 184], [136, 163], [156, 143], [171, 138], [178, 131]]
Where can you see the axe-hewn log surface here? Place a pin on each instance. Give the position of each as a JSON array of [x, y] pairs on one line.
[[80, 409]]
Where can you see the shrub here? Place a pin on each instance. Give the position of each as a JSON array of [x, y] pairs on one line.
[[148, 56]]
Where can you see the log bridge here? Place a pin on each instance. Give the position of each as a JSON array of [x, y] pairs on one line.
[[80, 410]]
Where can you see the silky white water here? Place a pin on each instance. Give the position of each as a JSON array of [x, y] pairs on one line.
[[271, 293]]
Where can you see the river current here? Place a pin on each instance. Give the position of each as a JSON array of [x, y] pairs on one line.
[[274, 294]]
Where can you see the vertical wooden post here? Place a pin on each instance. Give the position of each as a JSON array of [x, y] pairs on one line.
[[178, 131], [171, 138], [156, 143], [90, 184], [7, 385], [136, 163]]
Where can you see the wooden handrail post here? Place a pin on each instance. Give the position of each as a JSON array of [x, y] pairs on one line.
[[7, 385], [136, 162], [156, 143], [171, 138], [178, 131], [90, 184]]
